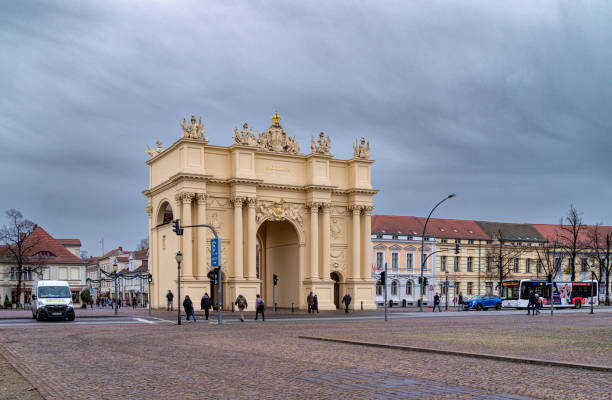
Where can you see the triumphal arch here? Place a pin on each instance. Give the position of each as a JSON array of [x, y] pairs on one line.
[[305, 218]]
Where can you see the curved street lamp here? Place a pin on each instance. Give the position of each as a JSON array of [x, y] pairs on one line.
[[422, 244], [179, 259], [116, 294]]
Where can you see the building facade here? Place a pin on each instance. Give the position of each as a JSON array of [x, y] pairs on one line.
[[303, 218]]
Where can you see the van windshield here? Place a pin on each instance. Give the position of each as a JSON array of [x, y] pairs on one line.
[[47, 292]]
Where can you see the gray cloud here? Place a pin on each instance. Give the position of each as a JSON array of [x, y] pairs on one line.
[[508, 105]]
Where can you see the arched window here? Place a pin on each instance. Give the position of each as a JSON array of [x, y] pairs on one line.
[[394, 288], [409, 288], [165, 214]]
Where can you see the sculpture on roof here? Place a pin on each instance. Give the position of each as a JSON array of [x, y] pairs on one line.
[[321, 146], [245, 137], [275, 138], [194, 130], [361, 148], [154, 152]]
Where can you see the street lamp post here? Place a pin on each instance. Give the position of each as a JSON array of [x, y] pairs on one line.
[[592, 286], [179, 258], [446, 290], [116, 293], [423, 243]]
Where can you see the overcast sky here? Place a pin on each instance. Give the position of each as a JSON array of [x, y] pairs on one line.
[[507, 104]]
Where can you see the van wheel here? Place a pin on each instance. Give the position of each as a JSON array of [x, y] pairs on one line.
[[71, 318], [38, 316], [578, 304], [498, 306]]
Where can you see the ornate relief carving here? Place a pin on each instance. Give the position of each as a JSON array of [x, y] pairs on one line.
[[185, 197], [278, 212], [337, 266], [361, 149], [275, 138], [216, 222], [154, 152], [245, 137], [217, 202], [321, 146], [194, 130], [314, 206], [367, 209], [355, 208], [339, 210], [201, 197], [338, 254], [237, 201], [251, 201], [337, 231]]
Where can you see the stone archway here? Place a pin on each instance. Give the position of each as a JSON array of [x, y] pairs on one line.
[[279, 254], [336, 278]]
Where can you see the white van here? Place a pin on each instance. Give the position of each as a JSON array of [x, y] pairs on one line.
[[52, 299]]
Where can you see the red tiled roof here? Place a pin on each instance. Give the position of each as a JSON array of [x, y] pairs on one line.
[[70, 242], [141, 254], [45, 242], [112, 252], [436, 227], [123, 259], [554, 232], [144, 267]]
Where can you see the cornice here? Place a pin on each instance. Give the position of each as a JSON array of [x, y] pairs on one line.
[[181, 176]]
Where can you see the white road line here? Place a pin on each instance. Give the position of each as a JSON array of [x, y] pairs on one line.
[[145, 320]]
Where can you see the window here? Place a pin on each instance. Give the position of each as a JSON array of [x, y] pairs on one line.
[[516, 265], [25, 274], [458, 241], [409, 261], [489, 242], [395, 261], [394, 237], [457, 287], [379, 291], [528, 265], [378, 236], [557, 263], [488, 264], [584, 264], [456, 265], [471, 241], [394, 288], [443, 291], [425, 238], [443, 241], [409, 288], [489, 287], [539, 266], [164, 246], [168, 217], [380, 262], [442, 263], [470, 263], [469, 288]]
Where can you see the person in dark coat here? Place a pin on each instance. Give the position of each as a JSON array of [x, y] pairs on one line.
[[436, 303], [346, 300], [170, 297], [259, 307], [532, 302], [188, 306], [315, 304], [309, 301], [205, 304], [460, 307]]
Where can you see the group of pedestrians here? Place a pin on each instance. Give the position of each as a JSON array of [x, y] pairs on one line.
[[313, 303], [535, 303]]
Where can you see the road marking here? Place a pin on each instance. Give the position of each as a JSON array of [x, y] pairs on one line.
[[145, 320]]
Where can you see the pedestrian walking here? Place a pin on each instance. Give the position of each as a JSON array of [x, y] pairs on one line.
[[346, 300], [437, 303], [309, 301], [205, 304], [259, 307], [315, 304], [134, 303], [241, 302], [531, 303], [537, 304], [188, 306], [460, 302], [455, 301], [170, 297]]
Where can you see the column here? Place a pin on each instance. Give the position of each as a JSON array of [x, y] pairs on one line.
[[314, 240], [366, 243], [202, 235], [355, 243], [237, 242], [187, 264], [326, 241], [251, 239]]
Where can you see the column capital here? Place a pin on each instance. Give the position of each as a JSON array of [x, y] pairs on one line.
[[367, 210], [314, 206], [237, 201], [326, 207], [251, 202], [202, 197], [185, 197], [355, 208]]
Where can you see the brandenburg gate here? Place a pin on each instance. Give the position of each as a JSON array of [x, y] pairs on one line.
[[305, 218]]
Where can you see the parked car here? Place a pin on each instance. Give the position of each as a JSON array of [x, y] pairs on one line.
[[483, 302]]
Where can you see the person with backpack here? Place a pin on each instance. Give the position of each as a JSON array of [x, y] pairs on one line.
[[259, 307], [531, 304], [309, 300], [205, 304], [437, 303], [170, 297], [346, 300], [188, 306], [241, 302], [538, 304], [315, 304]]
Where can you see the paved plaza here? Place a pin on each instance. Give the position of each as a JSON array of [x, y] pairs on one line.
[[155, 358]]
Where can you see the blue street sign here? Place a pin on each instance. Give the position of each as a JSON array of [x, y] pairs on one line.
[[214, 252]]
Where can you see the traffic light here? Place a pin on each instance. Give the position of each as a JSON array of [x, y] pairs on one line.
[[424, 281], [177, 227], [274, 279], [383, 278], [456, 248], [213, 275], [150, 278], [420, 280]]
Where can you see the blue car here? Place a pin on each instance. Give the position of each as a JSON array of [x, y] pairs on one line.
[[483, 302]]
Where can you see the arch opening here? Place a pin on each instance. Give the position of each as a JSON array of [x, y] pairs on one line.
[[165, 214], [336, 278]]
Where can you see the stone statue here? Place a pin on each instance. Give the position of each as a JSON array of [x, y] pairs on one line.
[[245, 137], [361, 148], [275, 138], [322, 145], [154, 152], [194, 130]]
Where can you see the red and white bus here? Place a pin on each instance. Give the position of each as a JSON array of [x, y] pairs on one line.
[[515, 294]]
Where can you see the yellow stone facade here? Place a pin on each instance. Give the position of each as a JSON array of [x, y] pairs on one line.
[[305, 218]]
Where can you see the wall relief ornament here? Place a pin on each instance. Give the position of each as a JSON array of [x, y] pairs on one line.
[[279, 211], [275, 138], [216, 222], [361, 148], [195, 130], [245, 137], [322, 145], [154, 152], [337, 232]]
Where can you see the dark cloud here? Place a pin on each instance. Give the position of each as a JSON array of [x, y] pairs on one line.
[[506, 105]]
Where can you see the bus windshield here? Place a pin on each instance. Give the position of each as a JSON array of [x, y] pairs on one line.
[[510, 292], [49, 292]]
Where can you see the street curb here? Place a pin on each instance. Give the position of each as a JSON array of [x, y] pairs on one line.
[[77, 317], [534, 361]]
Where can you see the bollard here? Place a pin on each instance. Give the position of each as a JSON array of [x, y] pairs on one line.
[[292, 309], [232, 307], [274, 307], [362, 305]]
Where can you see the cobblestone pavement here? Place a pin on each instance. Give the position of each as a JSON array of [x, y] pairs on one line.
[[268, 360], [13, 386]]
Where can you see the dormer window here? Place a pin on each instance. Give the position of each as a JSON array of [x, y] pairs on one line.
[[44, 253]]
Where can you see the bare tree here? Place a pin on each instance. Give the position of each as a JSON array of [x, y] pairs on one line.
[[570, 227], [601, 247], [551, 264], [143, 244], [19, 246], [503, 256]]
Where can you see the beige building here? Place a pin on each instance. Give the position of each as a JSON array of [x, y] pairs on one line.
[[305, 218]]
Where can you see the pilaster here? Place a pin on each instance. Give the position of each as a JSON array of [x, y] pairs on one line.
[[201, 236], [326, 260], [237, 244], [251, 239]]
